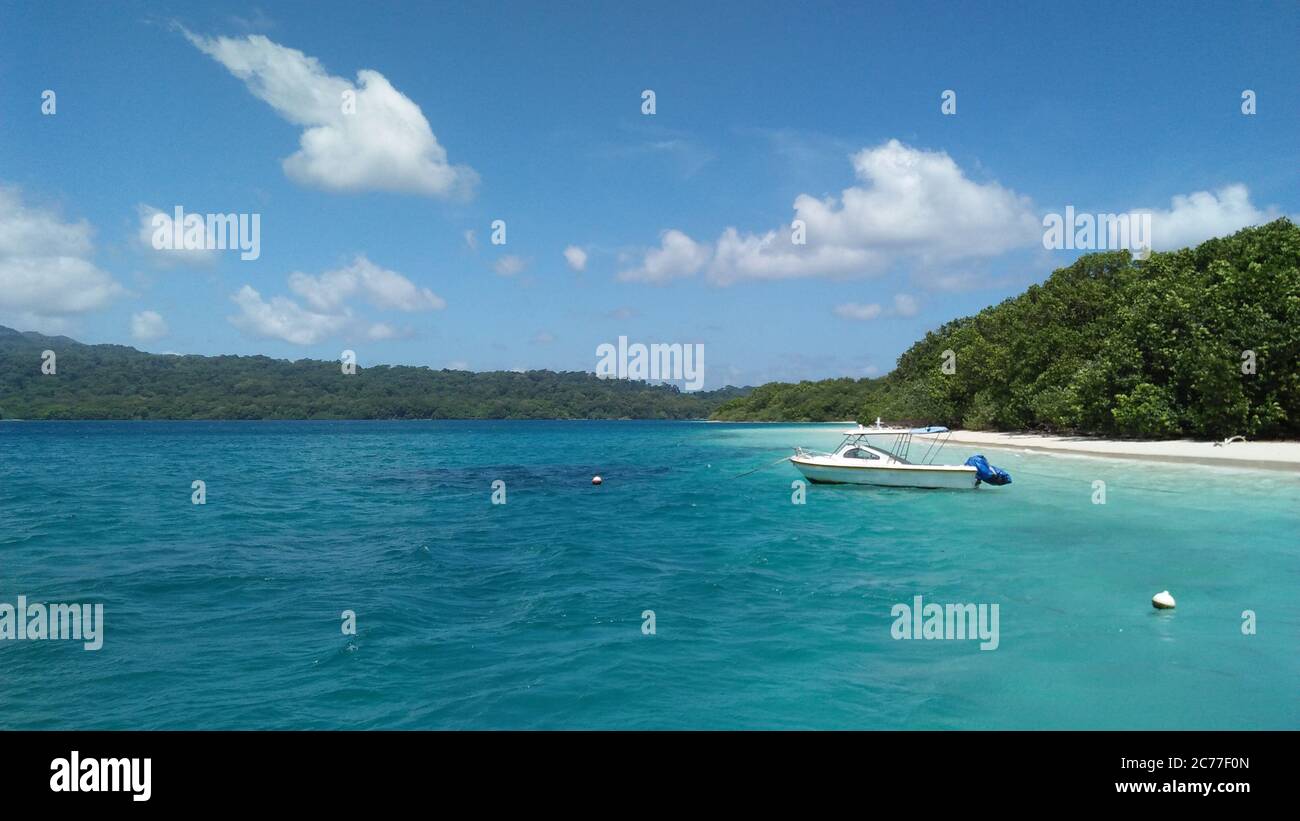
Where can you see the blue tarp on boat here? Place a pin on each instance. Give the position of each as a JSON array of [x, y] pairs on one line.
[[988, 473]]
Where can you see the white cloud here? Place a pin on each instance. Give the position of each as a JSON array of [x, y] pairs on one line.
[[910, 204], [282, 318], [955, 282], [1196, 217], [45, 267], [858, 311], [510, 265], [544, 338], [773, 256], [172, 257], [471, 239], [381, 330], [905, 305], [576, 257], [385, 145], [330, 301], [378, 286], [677, 256], [147, 326]]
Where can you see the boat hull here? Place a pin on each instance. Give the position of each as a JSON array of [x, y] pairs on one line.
[[949, 477]]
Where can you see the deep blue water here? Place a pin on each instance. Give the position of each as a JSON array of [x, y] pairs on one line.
[[529, 614]]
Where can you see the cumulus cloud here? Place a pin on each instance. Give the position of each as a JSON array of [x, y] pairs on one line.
[[510, 265], [282, 318], [147, 326], [45, 266], [858, 311], [576, 257], [378, 286], [773, 256], [363, 136], [905, 305], [1196, 217], [677, 256], [330, 301], [909, 203]]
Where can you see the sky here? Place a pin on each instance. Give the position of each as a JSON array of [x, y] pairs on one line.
[[817, 186]]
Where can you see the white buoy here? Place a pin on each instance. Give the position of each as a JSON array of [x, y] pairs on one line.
[[1162, 601], [595, 480]]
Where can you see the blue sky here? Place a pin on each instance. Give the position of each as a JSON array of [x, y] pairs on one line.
[[532, 114]]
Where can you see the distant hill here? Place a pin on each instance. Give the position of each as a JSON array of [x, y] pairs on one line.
[[119, 382], [1109, 345]]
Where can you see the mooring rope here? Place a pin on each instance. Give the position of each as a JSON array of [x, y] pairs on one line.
[[761, 467]]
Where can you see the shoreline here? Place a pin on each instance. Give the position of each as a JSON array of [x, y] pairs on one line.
[[1282, 455], [1269, 455]]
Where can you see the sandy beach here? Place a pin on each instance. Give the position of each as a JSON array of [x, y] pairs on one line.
[[1268, 455]]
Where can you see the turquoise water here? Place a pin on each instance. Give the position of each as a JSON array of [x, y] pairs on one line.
[[529, 614]]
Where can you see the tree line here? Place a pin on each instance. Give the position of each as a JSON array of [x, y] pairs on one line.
[[119, 382]]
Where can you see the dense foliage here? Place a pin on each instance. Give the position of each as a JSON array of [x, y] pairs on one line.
[[827, 400], [116, 382], [1109, 345]]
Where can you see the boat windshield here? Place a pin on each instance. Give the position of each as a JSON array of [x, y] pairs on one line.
[[858, 453], [853, 447]]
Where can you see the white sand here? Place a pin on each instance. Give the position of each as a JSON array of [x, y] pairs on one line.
[[1271, 455]]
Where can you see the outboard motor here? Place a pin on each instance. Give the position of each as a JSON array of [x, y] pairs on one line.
[[984, 472]]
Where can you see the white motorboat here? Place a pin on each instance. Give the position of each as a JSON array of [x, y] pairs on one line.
[[879, 456]]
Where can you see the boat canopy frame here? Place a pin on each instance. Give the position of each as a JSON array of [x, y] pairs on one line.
[[902, 442]]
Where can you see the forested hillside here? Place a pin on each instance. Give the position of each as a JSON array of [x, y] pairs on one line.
[[117, 382], [1109, 345]]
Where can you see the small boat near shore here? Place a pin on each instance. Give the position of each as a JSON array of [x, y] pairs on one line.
[[879, 456]]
